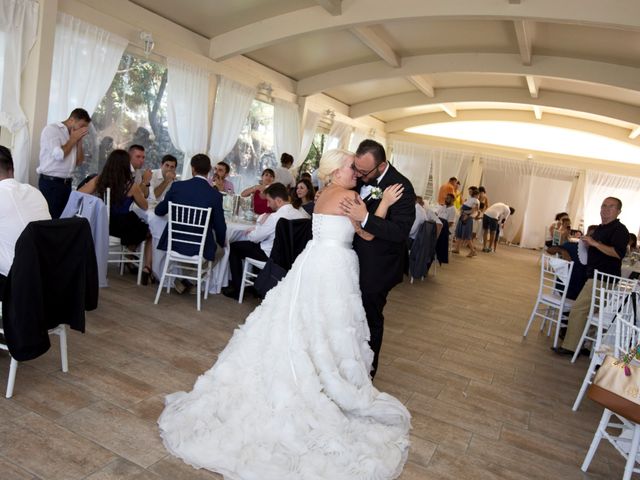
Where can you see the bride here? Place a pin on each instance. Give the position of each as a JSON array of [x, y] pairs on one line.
[[290, 396]]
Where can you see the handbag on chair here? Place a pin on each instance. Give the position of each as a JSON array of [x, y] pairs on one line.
[[616, 387]]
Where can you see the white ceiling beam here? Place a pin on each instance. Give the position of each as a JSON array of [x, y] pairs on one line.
[[537, 111], [534, 85], [510, 96], [369, 12], [422, 84], [634, 133], [334, 7], [524, 34], [373, 41], [502, 63], [449, 110]]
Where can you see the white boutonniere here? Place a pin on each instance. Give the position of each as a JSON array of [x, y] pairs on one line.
[[376, 193]]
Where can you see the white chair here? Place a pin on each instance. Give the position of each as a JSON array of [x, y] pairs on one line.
[[248, 275], [119, 253], [602, 283], [60, 330], [552, 305], [617, 305], [626, 439], [187, 226]]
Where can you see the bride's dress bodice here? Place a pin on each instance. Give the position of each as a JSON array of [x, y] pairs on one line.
[[290, 397], [330, 229]]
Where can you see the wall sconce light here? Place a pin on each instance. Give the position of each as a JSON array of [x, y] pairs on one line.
[[372, 133], [265, 92], [147, 38]]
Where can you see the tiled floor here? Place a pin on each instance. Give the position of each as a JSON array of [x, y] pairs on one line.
[[485, 403]]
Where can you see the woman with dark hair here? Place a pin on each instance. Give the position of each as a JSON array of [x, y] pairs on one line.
[[548, 238], [259, 199], [304, 195], [123, 223]]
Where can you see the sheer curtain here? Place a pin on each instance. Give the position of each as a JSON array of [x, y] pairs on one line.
[[508, 181], [308, 132], [549, 192], [449, 163], [18, 29], [414, 162], [187, 116], [233, 102], [286, 129], [338, 135], [600, 185], [85, 60], [357, 137]]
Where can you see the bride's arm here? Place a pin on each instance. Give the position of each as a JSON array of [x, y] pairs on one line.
[[391, 195]]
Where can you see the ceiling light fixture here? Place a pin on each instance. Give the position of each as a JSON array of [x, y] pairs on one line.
[[147, 38]]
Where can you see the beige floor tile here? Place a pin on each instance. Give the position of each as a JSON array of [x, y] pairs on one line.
[[50, 451], [172, 468], [122, 469], [118, 430]]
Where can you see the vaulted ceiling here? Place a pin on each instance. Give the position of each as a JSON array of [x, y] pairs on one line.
[[413, 62]]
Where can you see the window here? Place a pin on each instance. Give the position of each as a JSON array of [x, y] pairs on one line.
[[133, 111], [253, 152]]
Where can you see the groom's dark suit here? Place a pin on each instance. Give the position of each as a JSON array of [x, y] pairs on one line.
[[383, 259]]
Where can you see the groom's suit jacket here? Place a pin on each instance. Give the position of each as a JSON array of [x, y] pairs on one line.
[[383, 259]]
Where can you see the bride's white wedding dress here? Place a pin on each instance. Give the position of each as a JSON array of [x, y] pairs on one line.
[[290, 396]]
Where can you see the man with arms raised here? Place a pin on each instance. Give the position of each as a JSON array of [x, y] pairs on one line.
[[383, 259], [60, 153]]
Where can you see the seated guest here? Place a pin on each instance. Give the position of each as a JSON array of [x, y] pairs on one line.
[[491, 220], [306, 176], [447, 215], [261, 237], [260, 204], [569, 251], [163, 177], [424, 214], [633, 243], [548, 239], [220, 182], [20, 203], [196, 192], [123, 223], [304, 197]]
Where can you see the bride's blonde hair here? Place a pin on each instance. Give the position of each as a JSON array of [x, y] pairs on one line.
[[331, 161]]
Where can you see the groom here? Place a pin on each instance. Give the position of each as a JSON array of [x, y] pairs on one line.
[[382, 260]]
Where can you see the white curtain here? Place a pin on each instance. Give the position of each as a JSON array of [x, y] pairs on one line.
[[338, 136], [508, 181], [549, 192], [308, 132], [414, 162], [18, 30], [449, 163], [187, 116], [600, 185], [474, 174], [286, 129], [233, 102], [357, 137], [85, 60], [575, 205]]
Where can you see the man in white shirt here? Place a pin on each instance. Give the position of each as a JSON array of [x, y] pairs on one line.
[[140, 176], [260, 238], [163, 177], [60, 152], [20, 204], [447, 212], [283, 174], [493, 217]]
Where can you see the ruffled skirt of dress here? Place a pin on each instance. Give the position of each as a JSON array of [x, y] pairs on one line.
[[290, 396]]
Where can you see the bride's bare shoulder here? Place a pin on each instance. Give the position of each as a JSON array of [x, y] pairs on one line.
[[329, 200]]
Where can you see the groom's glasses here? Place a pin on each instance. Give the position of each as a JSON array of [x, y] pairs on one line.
[[360, 172]]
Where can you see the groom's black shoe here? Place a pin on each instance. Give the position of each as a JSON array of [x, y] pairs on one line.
[[230, 292]]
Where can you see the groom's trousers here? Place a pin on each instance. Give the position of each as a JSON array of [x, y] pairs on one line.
[[374, 303]]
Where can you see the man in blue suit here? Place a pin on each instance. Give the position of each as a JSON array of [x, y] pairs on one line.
[[196, 192]]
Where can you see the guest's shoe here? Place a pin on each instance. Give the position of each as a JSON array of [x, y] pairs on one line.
[[230, 292], [146, 274], [486, 250], [472, 254], [455, 251], [562, 351], [182, 286]]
